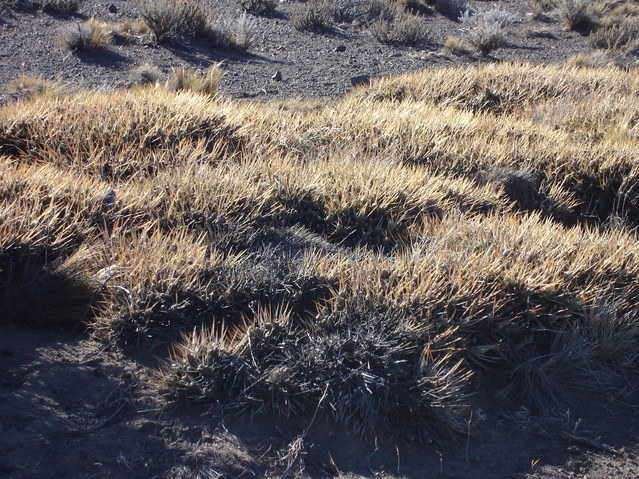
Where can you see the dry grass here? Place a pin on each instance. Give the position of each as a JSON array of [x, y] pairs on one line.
[[360, 260], [183, 80], [90, 35], [30, 86]]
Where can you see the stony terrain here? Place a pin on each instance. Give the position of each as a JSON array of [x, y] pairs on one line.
[[310, 63]]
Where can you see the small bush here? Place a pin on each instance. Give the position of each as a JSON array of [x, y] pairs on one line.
[[405, 29], [485, 29], [574, 13], [91, 35], [174, 18], [258, 7], [58, 6], [315, 16], [146, 74], [184, 80], [615, 36], [242, 32], [366, 12]]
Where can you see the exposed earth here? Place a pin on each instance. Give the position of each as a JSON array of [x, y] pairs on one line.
[[310, 64], [72, 407]]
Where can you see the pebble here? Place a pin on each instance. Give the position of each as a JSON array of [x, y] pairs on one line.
[[277, 76], [113, 8]]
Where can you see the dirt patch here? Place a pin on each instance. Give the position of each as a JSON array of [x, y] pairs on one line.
[[72, 407], [283, 62]]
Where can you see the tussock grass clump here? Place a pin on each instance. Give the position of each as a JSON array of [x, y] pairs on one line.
[[183, 129], [348, 366], [615, 36], [183, 80], [452, 8], [29, 87], [90, 35], [362, 259]]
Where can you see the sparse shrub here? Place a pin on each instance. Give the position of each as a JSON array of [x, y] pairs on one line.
[[316, 15], [259, 7], [615, 36], [242, 32], [174, 18], [539, 7], [485, 29], [184, 80], [404, 29], [365, 12], [58, 6], [574, 13], [29, 86], [90, 35]]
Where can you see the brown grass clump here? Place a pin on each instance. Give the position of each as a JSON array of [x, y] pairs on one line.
[[615, 36], [182, 80], [361, 260], [29, 87], [90, 35]]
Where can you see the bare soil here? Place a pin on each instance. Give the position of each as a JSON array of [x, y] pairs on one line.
[[310, 65], [72, 407]]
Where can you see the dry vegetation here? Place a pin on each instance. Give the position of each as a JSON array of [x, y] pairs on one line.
[[374, 260]]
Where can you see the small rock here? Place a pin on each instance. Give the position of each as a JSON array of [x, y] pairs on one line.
[[113, 8], [277, 76], [360, 80], [340, 48]]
